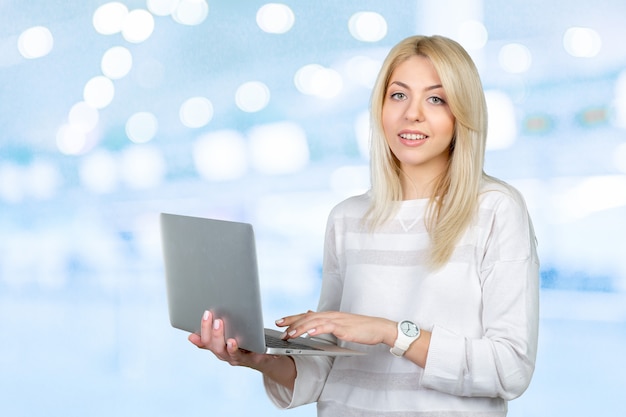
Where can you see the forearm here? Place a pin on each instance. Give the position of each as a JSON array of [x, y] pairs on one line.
[[280, 369], [418, 351]]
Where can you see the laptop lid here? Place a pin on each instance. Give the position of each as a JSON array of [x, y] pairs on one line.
[[211, 265]]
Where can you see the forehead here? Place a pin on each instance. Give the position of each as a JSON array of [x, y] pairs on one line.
[[415, 70]]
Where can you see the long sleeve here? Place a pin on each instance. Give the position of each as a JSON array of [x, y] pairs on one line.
[[500, 362]]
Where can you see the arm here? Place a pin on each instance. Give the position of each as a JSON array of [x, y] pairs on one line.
[[501, 362]]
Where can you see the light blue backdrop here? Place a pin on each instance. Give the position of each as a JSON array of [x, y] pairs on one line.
[[113, 112]]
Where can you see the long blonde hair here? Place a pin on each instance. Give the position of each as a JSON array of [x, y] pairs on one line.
[[455, 199]]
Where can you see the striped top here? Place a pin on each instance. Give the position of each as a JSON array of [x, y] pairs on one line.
[[482, 309]]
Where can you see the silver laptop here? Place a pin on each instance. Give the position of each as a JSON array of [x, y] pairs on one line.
[[211, 265]]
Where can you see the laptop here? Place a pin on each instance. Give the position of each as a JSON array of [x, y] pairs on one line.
[[211, 264]]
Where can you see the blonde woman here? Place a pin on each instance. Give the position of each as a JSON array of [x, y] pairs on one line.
[[433, 272]]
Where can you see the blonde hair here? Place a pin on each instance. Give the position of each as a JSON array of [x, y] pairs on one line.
[[455, 198]]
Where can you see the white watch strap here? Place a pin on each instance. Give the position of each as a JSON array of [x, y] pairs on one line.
[[403, 342]]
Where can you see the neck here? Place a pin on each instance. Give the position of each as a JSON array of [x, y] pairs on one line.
[[418, 186]]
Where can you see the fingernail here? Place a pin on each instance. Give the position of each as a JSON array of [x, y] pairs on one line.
[[284, 335], [229, 344], [279, 321], [205, 316], [311, 331], [291, 333], [216, 324]]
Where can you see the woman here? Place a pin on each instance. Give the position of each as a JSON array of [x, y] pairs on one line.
[[436, 263]]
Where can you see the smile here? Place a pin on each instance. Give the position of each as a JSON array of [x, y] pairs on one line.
[[412, 136]]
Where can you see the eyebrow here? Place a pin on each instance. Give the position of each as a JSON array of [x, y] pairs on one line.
[[403, 85]]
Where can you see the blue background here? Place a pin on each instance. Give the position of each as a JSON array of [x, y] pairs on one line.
[[83, 313]]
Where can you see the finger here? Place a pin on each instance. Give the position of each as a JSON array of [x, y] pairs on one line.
[[303, 329], [205, 328], [290, 320], [195, 339], [217, 334], [232, 347]]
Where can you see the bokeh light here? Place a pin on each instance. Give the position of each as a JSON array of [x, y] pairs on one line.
[[252, 96], [367, 26], [141, 127], [278, 148], [515, 58], [42, 179], [582, 42], [71, 140], [99, 92], [363, 70], [196, 112], [11, 189], [83, 117], [275, 18], [221, 155], [35, 42], [116, 62], [98, 172], [162, 7], [138, 26], [109, 18], [191, 12], [316, 80], [473, 35], [502, 128], [142, 166]]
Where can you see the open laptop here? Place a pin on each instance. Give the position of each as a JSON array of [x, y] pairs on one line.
[[211, 265]]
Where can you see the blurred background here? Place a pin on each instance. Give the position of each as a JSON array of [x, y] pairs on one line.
[[111, 112]]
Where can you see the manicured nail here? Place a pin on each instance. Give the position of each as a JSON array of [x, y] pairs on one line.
[[229, 345], [216, 324], [205, 316], [311, 331], [291, 333], [279, 321]]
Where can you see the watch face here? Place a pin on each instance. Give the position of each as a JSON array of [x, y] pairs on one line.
[[409, 328]]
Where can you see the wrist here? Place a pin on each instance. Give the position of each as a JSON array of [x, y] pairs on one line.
[[407, 333], [391, 333]]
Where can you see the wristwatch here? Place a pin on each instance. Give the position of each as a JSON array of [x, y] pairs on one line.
[[408, 332]]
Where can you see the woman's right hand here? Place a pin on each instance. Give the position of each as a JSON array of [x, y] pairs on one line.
[[212, 338]]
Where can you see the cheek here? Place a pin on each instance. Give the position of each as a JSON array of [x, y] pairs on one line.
[[387, 121]]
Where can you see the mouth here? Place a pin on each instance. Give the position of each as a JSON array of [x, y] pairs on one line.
[[413, 136]]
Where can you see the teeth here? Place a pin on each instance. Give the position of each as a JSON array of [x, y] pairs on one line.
[[412, 136]]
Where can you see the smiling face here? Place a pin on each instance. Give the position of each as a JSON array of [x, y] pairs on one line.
[[417, 122]]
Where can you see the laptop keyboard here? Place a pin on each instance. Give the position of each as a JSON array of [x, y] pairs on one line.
[[275, 342]]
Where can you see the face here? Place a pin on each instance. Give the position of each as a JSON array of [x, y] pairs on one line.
[[417, 121]]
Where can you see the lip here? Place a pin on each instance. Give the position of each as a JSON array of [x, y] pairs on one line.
[[412, 142]]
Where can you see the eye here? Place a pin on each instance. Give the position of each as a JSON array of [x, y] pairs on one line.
[[398, 96], [436, 100]]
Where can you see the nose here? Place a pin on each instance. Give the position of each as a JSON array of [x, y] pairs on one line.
[[414, 111]]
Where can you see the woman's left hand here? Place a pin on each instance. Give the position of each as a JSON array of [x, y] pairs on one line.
[[345, 326]]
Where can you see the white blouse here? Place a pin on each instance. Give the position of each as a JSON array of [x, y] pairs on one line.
[[482, 309]]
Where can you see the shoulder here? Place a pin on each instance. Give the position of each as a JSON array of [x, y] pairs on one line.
[[354, 206], [498, 195]]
